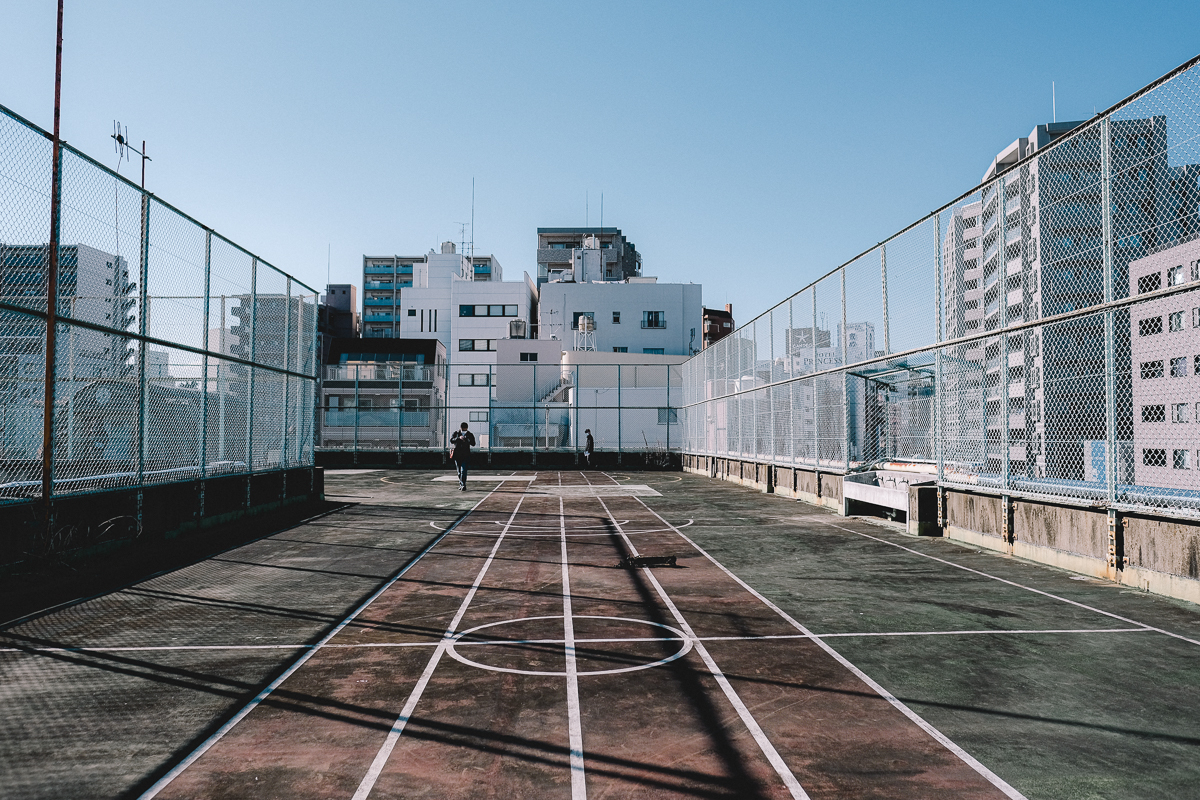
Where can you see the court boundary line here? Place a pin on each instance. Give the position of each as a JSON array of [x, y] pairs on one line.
[[574, 723], [759, 735], [920, 722], [611, 640], [389, 743], [983, 574], [263, 694]]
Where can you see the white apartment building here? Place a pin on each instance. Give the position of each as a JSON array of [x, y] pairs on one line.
[[386, 278], [635, 316], [1165, 354], [1032, 249], [451, 298]]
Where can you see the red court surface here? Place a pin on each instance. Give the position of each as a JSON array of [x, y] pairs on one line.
[[514, 658]]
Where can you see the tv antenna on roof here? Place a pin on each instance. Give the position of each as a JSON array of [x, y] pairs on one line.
[[120, 137]]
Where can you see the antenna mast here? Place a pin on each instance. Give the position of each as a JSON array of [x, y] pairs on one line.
[[472, 219]]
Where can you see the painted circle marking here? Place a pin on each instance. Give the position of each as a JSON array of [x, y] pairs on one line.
[[451, 649]]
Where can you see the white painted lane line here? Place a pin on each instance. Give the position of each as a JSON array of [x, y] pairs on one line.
[[944, 740], [578, 641], [574, 725], [191, 758], [760, 737], [389, 743], [1075, 603]]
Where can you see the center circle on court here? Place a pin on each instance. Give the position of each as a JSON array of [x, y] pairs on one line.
[[536, 645]]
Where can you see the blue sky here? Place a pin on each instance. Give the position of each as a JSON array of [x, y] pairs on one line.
[[750, 147]]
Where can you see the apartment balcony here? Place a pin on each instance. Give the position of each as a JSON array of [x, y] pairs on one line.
[[1016, 359], [375, 418], [992, 308], [378, 270], [385, 285], [379, 301], [379, 317], [1015, 297], [973, 314], [971, 253]]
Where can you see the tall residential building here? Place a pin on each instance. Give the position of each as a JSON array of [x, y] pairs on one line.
[[1032, 250], [1165, 353], [717, 324], [386, 277], [591, 254]]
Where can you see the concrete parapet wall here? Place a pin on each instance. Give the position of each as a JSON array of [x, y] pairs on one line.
[[1154, 554]]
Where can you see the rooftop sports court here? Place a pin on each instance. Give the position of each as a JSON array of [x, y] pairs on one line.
[[422, 642]]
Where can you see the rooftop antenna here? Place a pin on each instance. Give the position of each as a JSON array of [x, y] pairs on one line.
[[586, 211], [328, 261], [472, 218], [120, 137], [462, 236], [1053, 104]]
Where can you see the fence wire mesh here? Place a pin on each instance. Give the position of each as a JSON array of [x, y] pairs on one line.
[[1038, 335], [169, 363]]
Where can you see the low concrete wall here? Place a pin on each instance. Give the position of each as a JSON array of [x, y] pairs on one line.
[[1154, 554]]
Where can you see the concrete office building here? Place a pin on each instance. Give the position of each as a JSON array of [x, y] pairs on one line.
[[385, 278], [638, 315], [1032, 250], [560, 250], [1164, 340]]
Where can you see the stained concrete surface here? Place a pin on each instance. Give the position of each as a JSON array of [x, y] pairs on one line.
[[1096, 712]]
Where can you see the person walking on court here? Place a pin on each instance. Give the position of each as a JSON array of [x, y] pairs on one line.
[[462, 440], [589, 447]]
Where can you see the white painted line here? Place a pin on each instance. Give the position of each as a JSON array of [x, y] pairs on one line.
[[760, 737], [459, 643], [350, 471], [191, 758], [1017, 585], [574, 725], [620, 490], [486, 478], [944, 740], [389, 744]]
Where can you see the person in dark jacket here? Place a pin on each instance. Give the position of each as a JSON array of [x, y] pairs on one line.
[[462, 440], [589, 447]]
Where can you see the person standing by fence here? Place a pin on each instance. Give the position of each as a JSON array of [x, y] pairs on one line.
[[589, 447], [462, 440]]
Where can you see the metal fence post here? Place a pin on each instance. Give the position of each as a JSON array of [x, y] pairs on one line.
[[251, 381], [619, 442], [1002, 288], [287, 381], [400, 414], [845, 378], [939, 397], [813, 381], [668, 366], [204, 369], [355, 456], [887, 340], [490, 428], [1110, 356], [143, 331], [533, 414]]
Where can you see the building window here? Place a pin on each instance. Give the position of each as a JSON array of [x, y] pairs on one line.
[[616, 318], [1152, 369], [1176, 276], [487, 311], [412, 312], [1154, 457], [575, 315], [529, 356], [473, 379], [466, 344], [1196, 317], [668, 416], [1150, 283], [477, 416], [620, 349], [1179, 412], [1182, 459], [1149, 327], [1196, 364], [1154, 413], [654, 319], [1197, 412], [471, 345], [652, 351], [1176, 321], [1179, 367]]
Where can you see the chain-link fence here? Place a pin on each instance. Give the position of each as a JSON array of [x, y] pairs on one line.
[[520, 407], [178, 354], [1039, 335]]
